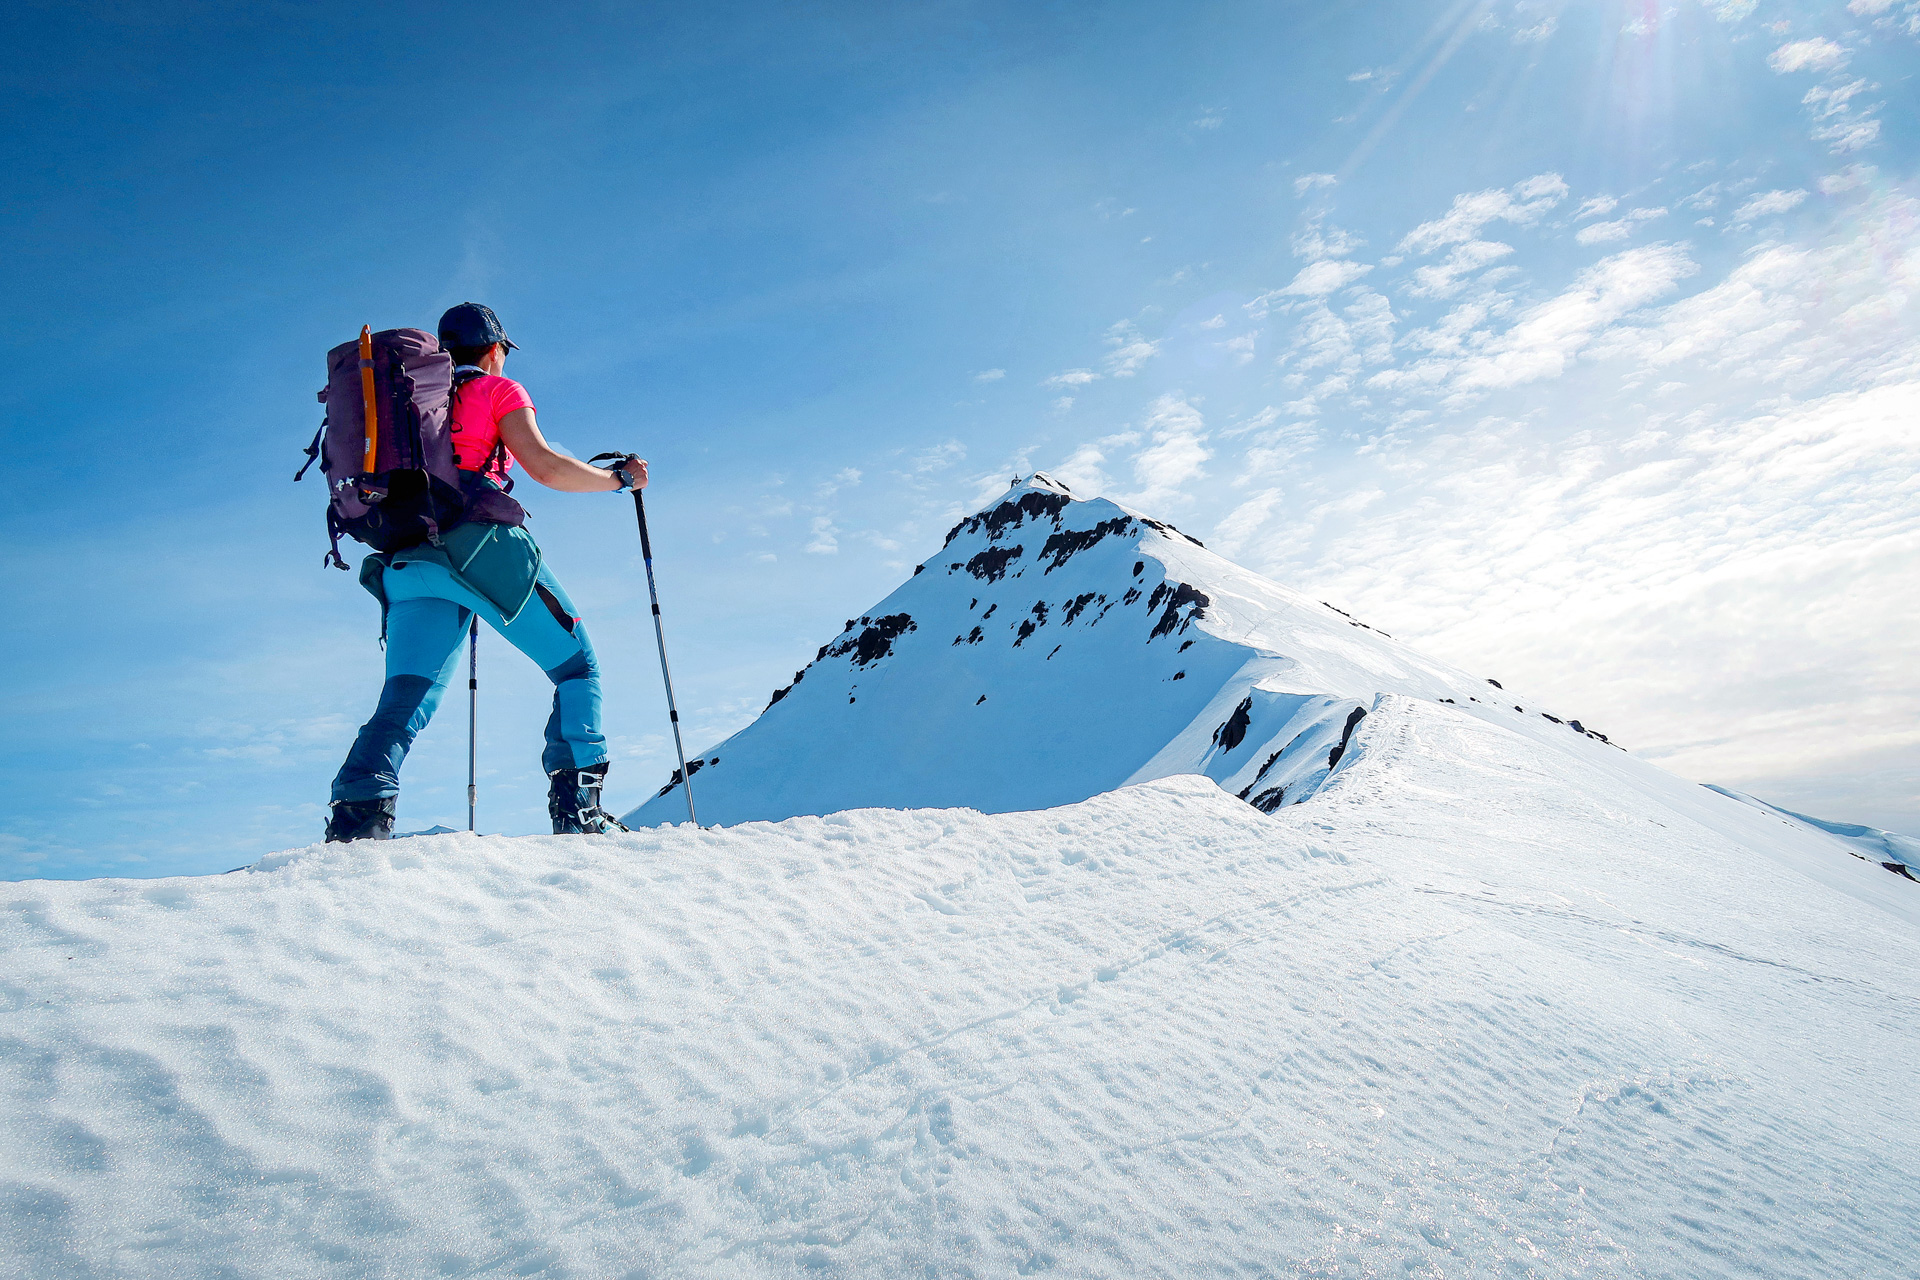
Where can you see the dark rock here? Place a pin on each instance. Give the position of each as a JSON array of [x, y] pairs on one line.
[[1495, 683], [1133, 593], [1170, 530], [1184, 646], [1354, 717], [1074, 606], [1233, 730], [1028, 506], [982, 698], [1138, 565], [1270, 799], [1026, 629], [1901, 869], [781, 693], [1263, 771], [1067, 543], [1179, 675], [693, 767], [874, 642], [1181, 596], [991, 565]]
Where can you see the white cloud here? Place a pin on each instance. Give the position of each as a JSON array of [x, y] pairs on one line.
[[1062, 404], [1618, 229], [1537, 33], [1442, 279], [1849, 135], [1308, 181], [1243, 522], [1827, 100], [1522, 204], [1321, 278], [845, 479], [1818, 54], [1767, 203], [824, 542], [1868, 8], [1072, 378], [1314, 242], [990, 375], [1130, 350], [1452, 334], [1175, 457], [1548, 336], [939, 457], [1851, 178], [1595, 207], [1083, 471], [1731, 10], [1705, 198]]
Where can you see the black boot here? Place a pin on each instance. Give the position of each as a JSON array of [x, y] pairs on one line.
[[573, 802], [360, 820]]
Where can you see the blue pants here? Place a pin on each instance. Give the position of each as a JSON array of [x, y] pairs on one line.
[[427, 614]]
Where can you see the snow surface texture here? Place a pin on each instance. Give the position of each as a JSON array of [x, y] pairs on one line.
[[1056, 648], [1481, 1008], [1367, 974]]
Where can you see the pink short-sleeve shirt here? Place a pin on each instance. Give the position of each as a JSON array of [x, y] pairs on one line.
[[477, 409]]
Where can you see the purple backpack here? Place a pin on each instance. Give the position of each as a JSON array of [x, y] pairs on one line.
[[391, 483]]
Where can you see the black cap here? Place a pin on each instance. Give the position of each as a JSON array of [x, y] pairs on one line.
[[472, 325]]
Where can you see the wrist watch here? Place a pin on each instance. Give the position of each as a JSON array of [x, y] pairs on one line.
[[626, 481]]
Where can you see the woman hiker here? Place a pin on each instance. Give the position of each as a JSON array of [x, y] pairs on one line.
[[486, 565]]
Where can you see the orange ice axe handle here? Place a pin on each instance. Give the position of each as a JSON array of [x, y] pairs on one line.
[[366, 395]]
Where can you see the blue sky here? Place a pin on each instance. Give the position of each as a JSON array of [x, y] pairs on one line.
[[1576, 342]]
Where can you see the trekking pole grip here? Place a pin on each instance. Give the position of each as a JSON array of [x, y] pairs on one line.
[[640, 514]]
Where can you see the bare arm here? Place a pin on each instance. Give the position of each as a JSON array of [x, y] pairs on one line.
[[556, 470]]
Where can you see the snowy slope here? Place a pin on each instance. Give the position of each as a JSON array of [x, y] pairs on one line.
[[1056, 648], [1482, 1007], [1893, 851]]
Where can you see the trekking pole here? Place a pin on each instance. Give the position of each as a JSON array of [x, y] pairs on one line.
[[659, 636], [473, 713]]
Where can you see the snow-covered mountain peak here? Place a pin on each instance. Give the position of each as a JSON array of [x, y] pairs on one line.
[[1056, 647]]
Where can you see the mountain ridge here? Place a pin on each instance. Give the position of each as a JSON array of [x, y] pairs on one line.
[[1202, 667]]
